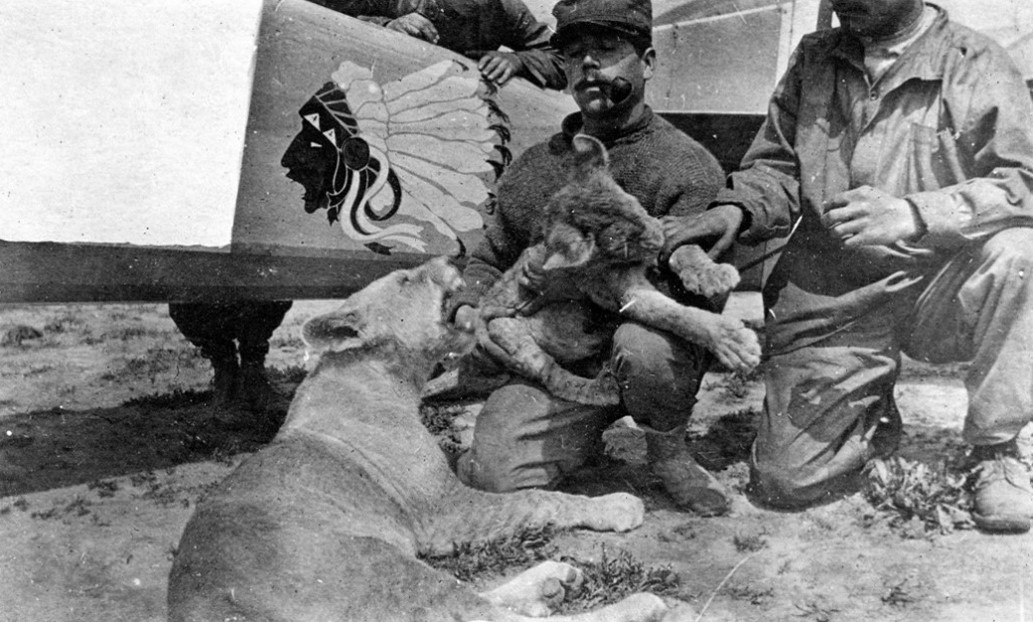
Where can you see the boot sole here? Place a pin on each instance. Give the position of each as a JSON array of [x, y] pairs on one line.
[[1002, 523]]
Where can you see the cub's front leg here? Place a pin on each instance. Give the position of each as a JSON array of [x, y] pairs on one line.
[[701, 274], [736, 346]]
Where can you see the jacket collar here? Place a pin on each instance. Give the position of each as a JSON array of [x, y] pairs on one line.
[[924, 59]]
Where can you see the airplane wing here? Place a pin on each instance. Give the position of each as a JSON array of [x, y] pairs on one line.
[[204, 150]]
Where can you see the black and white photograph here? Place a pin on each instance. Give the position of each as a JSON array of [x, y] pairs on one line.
[[504, 310]]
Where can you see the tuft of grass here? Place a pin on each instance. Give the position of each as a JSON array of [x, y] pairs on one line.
[[727, 441], [898, 595], [438, 419], [615, 577], [934, 497], [471, 560], [65, 323], [177, 398], [749, 543]]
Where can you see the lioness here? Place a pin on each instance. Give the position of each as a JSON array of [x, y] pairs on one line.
[[325, 523]]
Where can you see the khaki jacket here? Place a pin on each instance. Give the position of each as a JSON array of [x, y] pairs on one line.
[[949, 127]]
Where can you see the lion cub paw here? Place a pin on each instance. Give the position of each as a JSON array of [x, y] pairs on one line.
[[700, 274], [618, 511], [736, 346]]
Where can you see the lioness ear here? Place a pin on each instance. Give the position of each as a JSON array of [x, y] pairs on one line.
[[567, 247], [589, 155], [338, 330]]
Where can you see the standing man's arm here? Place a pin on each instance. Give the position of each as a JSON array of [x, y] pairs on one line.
[[403, 16], [533, 57]]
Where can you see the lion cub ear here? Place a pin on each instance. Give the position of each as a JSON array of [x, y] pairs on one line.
[[589, 156], [566, 247], [335, 331]]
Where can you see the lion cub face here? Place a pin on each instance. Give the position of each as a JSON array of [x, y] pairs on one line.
[[404, 310], [593, 221]]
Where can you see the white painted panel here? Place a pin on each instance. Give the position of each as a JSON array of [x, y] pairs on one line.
[[122, 121]]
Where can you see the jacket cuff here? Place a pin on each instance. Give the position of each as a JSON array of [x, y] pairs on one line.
[[943, 219]]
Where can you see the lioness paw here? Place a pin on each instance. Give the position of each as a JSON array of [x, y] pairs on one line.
[[700, 274], [618, 511]]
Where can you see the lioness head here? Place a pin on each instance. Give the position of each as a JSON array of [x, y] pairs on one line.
[[594, 219], [404, 310]]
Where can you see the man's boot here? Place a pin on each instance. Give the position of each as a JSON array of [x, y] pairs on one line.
[[254, 389], [1003, 496], [690, 485], [224, 381]]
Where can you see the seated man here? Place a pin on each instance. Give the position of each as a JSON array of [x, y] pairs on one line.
[[474, 28], [904, 142], [524, 437]]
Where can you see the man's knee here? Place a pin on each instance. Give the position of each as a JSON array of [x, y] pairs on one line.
[[796, 486], [494, 473], [649, 356], [1012, 247], [524, 438]]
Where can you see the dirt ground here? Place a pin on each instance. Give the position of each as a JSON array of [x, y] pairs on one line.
[[106, 444]]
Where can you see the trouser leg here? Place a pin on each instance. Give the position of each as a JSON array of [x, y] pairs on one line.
[[832, 360], [980, 308], [659, 375], [209, 326], [827, 411], [525, 438], [256, 323]]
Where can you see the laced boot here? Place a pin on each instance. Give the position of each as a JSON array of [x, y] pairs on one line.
[[254, 389], [1003, 496], [224, 382], [690, 485]]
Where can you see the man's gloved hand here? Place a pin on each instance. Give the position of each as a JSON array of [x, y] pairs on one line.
[[500, 67], [867, 216], [414, 25]]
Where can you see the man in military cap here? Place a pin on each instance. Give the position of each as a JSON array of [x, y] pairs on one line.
[[525, 437]]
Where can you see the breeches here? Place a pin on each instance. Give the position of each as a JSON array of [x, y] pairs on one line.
[[829, 403], [214, 327], [525, 438]]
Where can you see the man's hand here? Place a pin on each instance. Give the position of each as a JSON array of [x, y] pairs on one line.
[[414, 25], [721, 222], [500, 67], [867, 216]]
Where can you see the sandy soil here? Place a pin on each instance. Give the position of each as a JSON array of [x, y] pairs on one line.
[[106, 444]]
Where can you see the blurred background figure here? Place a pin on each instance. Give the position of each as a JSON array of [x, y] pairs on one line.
[[234, 336], [474, 28]]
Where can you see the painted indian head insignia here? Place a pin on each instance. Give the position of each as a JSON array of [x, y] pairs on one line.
[[397, 163]]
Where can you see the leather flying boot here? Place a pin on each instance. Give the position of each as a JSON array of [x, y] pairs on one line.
[[254, 389], [690, 485], [1003, 496], [224, 382]]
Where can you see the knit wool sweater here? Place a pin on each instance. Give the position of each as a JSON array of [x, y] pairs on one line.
[[666, 170]]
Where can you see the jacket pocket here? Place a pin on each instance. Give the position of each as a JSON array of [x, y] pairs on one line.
[[933, 159]]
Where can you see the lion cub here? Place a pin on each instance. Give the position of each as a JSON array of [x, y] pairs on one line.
[[599, 243], [325, 523]]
